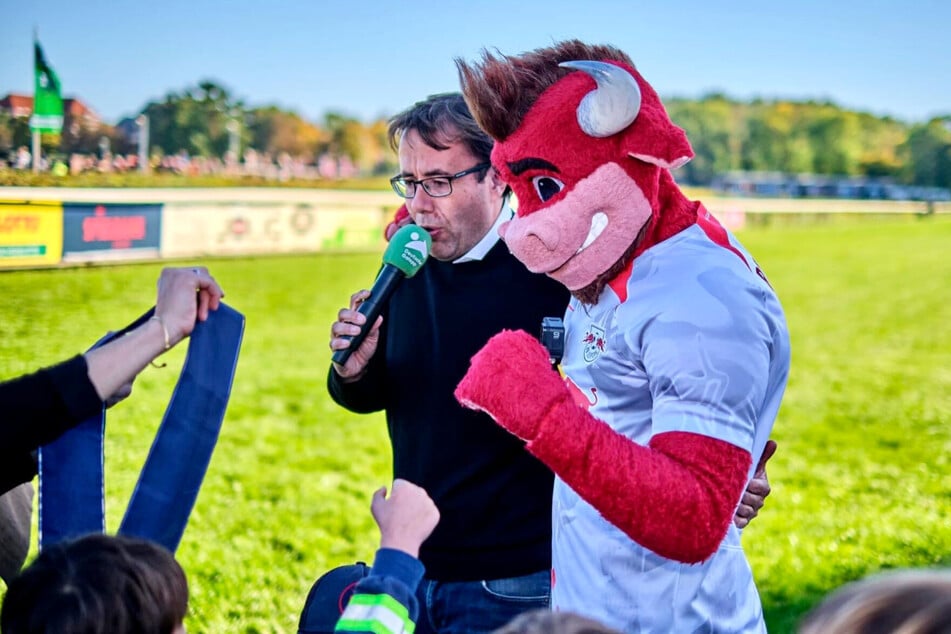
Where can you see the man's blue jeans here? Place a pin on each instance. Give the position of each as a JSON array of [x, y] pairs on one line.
[[475, 607]]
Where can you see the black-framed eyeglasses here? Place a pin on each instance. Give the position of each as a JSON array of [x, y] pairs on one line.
[[435, 186]]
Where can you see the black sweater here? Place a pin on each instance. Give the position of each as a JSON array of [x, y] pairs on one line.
[[494, 498], [37, 409]]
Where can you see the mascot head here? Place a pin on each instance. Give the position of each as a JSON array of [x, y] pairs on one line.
[[586, 146]]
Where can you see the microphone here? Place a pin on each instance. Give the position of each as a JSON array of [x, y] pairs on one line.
[[404, 257]]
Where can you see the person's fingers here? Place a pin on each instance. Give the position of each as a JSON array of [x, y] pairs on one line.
[[376, 326], [768, 452], [745, 510], [759, 487], [208, 284], [340, 329], [350, 316], [358, 298], [203, 301], [377, 502]]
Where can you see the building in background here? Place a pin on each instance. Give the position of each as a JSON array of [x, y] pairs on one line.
[[75, 112]]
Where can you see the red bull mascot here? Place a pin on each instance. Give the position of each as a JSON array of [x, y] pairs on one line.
[[676, 347]]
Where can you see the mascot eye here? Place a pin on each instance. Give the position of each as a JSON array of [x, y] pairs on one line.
[[546, 187]]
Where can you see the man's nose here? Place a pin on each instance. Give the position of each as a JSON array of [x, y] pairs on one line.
[[421, 201]]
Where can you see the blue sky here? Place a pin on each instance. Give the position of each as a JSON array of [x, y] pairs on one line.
[[370, 59]]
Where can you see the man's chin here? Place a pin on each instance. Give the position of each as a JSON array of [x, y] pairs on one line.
[[443, 254]]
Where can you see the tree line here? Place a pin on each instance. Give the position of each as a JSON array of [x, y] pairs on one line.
[[727, 135], [810, 137]]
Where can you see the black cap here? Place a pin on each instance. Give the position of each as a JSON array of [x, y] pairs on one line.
[[328, 597]]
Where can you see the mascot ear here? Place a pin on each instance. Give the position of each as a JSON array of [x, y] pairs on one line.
[[652, 137], [665, 146]]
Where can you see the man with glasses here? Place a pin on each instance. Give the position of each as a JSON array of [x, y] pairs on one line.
[[489, 559]]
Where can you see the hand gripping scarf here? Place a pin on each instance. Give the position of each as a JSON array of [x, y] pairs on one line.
[[72, 499]]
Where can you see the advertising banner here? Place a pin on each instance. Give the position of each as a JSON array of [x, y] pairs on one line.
[[111, 231], [345, 228], [207, 228], [31, 233]]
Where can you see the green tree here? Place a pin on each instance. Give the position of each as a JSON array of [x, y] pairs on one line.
[[83, 138], [714, 128], [765, 138], [834, 136], [880, 140], [14, 132], [274, 131], [6, 135], [928, 153], [195, 121], [344, 137]]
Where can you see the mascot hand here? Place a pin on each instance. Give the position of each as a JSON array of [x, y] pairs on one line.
[[512, 380], [400, 219]]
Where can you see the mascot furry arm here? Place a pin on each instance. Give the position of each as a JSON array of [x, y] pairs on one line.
[[587, 148], [675, 496]]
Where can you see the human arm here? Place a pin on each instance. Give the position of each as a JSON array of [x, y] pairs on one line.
[[675, 496], [756, 491], [39, 407], [176, 311], [388, 594]]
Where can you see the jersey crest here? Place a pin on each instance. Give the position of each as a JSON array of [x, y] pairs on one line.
[[594, 343]]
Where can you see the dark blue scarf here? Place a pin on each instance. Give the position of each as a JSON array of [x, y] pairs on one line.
[[71, 498]]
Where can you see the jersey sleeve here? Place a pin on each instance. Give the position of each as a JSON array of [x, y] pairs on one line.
[[385, 601], [707, 360]]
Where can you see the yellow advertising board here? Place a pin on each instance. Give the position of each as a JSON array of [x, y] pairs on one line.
[[31, 233]]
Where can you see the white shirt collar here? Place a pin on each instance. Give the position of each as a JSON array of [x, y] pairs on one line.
[[488, 241]]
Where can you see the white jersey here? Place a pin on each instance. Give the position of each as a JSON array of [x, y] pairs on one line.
[[692, 338]]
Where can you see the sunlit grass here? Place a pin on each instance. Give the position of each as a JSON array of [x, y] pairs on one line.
[[861, 480]]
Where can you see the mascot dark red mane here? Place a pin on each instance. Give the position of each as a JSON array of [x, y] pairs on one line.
[[676, 347]]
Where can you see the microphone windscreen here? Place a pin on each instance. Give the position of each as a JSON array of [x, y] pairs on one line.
[[408, 249]]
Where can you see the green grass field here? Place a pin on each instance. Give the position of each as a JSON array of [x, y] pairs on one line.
[[860, 482]]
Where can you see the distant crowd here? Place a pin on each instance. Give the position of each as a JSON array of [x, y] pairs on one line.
[[280, 167]]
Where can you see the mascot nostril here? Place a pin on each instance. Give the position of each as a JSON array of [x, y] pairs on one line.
[[671, 325], [547, 240]]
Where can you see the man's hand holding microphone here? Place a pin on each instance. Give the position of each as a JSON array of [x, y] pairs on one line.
[[354, 336]]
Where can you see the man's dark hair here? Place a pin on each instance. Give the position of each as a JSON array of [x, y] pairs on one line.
[[439, 119], [97, 584]]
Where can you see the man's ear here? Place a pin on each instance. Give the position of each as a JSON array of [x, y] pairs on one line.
[[495, 179]]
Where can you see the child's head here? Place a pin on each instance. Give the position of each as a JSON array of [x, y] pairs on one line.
[[98, 584], [546, 622], [908, 601]]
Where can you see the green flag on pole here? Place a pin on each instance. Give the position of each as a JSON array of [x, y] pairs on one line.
[[47, 100]]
